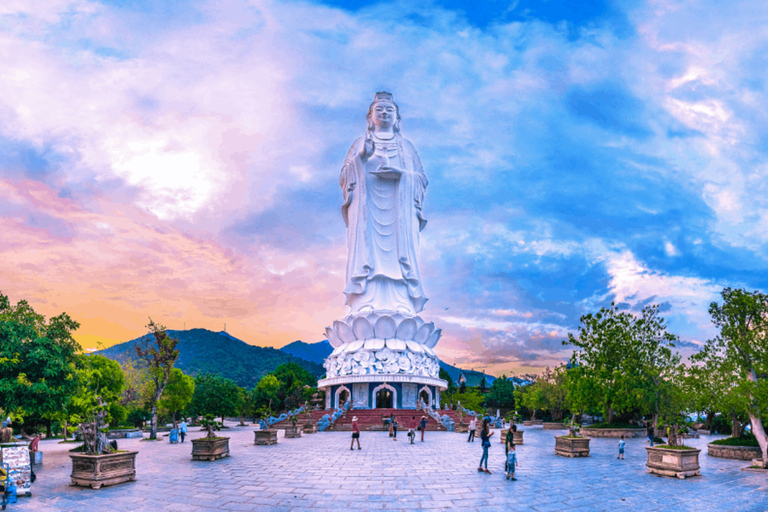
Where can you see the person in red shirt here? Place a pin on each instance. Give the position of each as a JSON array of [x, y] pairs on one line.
[[355, 434]]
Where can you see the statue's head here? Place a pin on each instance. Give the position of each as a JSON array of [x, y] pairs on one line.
[[383, 101]]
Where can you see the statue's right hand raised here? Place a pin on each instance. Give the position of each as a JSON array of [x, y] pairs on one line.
[[368, 148]]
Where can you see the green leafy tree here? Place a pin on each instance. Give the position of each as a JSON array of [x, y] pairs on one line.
[[502, 394], [607, 357], [742, 319], [158, 351], [178, 393], [712, 386], [37, 370], [581, 392], [98, 376], [265, 393], [657, 366], [215, 395], [553, 390], [471, 399], [531, 397]]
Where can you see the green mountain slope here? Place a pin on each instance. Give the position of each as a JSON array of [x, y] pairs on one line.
[[201, 351]]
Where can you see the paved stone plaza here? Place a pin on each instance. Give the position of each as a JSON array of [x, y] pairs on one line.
[[320, 473]]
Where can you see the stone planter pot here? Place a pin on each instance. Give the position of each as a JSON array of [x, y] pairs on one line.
[[97, 470], [461, 428], [309, 428], [572, 446], [265, 437], [613, 432], [124, 433], [669, 462], [518, 437], [734, 452], [293, 431], [554, 425], [533, 423], [210, 448]]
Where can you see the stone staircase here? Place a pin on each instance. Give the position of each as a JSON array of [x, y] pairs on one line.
[[371, 419]]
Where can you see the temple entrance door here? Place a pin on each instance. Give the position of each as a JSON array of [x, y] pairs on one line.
[[425, 397], [343, 397], [384, 399]]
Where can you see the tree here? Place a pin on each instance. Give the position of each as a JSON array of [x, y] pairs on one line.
[[160, 358], [215, 395], [581, 392], [606, 343], [177, 393], [742, 319], [37, 371], [502, 394], [265, 393], [553, 390], [100, 386], [531, 397], [657, 366], [451, 388], [712, 386]]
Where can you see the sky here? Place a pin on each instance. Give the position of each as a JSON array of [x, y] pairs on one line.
[[179, 160]]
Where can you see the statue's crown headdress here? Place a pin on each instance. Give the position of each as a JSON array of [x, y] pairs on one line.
[[383, 96]]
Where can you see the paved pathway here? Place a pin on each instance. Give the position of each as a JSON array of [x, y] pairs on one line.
[[320, 473]]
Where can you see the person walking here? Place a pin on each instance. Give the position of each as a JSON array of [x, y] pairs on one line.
[[472, 428], [423, 427], [485, 437], [355, 434], [621, 448], [650, 433], [509, 442], [511, 462], [182, 429], [394, 428], [412, 429]]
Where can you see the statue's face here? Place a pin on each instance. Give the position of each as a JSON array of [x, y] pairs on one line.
[[384, 115]]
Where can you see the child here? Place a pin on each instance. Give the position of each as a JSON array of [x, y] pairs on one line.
[[511, 462], [621, 448]]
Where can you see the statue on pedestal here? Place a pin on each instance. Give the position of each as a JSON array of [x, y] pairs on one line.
[[383, 185]]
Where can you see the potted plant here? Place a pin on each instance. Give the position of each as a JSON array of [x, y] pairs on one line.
[[210, 447], [309, 427], [460, 426], [294, 430], [673, 459], [97, 462], [572, 445], [265, 435]]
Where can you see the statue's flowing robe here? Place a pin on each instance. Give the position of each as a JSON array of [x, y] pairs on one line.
[[383, 218]]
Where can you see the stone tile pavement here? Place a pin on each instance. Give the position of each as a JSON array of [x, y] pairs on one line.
[[319, 473]]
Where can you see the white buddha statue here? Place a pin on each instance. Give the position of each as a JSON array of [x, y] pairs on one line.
[[383, 185]]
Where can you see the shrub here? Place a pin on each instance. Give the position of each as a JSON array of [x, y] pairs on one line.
[[745, 440]]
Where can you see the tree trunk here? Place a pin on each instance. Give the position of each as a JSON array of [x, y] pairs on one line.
[[65, 430], [610, 414], [735, 425], [711, 422], [757, 424], [242, 420], [655, 422], [533, 415], [48, 433]]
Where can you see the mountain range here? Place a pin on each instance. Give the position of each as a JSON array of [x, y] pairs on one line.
[[204, 351]]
